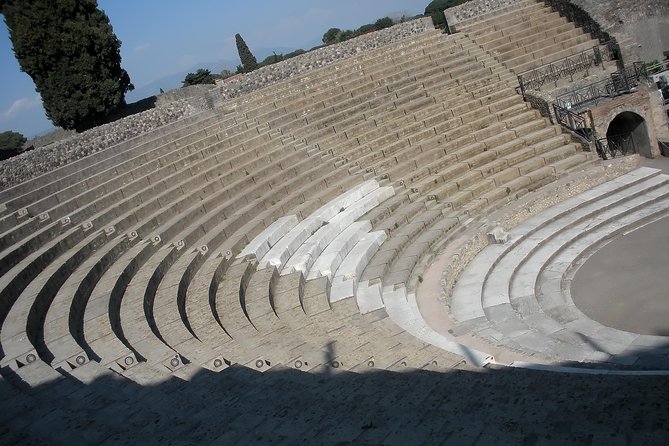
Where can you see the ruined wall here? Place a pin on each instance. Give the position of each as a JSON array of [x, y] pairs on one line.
[[474, 8], [271, 74], [641, 27], [194, 94], [644, 102], [44, 159]]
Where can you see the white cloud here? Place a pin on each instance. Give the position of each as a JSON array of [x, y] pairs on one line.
[[21, 106], [141, 48]]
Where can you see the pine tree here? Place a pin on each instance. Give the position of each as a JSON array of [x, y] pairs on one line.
[[248, 59], [70, 51]]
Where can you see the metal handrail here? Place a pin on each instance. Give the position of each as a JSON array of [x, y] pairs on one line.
[[657, 67], [617, 145], [569, 119], [620, 82], [535, 78]]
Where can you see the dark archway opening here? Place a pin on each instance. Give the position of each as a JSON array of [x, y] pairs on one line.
[[628, 131]]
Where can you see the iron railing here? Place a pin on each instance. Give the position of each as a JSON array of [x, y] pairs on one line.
[[658, 67], [613, 146], [569, 119], [537, 77], [620, 82]]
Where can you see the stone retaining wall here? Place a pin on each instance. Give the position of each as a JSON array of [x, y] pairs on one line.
[[179, 103], [510, 217], [321, 57], [475, 8], [195, 94], [641, 27], [44, 159]]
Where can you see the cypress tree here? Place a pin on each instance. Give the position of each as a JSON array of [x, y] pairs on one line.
[[70, 51], [248, 59]]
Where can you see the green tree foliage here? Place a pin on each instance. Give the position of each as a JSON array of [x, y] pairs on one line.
[[336, 35], [10, 144], [438, 19], [346, 35], [331, 36], [201, 76], [385, 22], [248, 60], [11, 140], [436, 10], [274, 58], [70, 51], [440, 5], [368, 28], [225, 73], [294, 53]]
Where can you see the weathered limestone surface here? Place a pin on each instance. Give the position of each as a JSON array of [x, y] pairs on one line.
[[321, 57], [44, 159]]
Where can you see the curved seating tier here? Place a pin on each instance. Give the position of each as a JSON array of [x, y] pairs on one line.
[[278, 230], [527, 35], [517, 294]]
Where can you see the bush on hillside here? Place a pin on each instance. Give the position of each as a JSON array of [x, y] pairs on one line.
[[10, 144], [201, 76], [336, 35], [440, 5]]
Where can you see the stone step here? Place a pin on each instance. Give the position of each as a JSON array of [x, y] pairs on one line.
[[527, 262], [33, 190]]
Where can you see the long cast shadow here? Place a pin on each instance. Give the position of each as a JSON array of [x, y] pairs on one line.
[[285, 406]]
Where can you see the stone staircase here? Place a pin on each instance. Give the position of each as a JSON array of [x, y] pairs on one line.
[[284, 231], [102, 273], [518, 293], [526, 35]]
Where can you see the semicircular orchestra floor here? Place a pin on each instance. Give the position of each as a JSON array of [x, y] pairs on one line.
[[624, 285]]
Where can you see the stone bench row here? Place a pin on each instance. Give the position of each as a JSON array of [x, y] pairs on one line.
[[215, 235], [514, 185], [360, 96], [245, 214], [400, 303], [530, 37], [171, 209], [28, 238], [153, 178], [324, 337], [524, 277], [48, 183], [424, 234], [146, 166], [494, 20], [172, 358], [303, 83], [355, 144]]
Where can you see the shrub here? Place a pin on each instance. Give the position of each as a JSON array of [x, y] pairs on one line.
[[201, 76]]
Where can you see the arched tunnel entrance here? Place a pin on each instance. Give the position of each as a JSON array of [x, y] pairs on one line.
[[628, 134]]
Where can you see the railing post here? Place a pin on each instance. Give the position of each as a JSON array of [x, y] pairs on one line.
[[598, 56], [522, 85]]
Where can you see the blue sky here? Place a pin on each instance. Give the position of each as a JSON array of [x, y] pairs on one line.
[[162, 38]]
